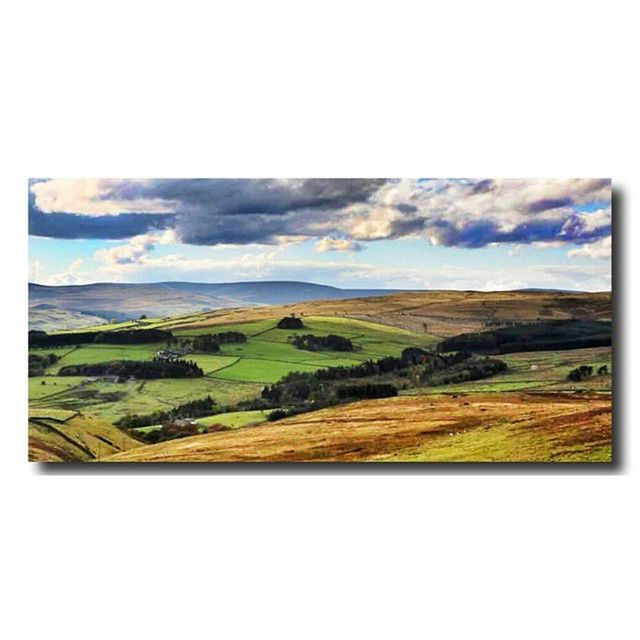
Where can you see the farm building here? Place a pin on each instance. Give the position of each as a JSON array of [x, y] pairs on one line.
[[182, 422], [167, 354]]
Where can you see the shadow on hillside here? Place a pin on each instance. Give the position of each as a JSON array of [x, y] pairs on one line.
[[412, 468]]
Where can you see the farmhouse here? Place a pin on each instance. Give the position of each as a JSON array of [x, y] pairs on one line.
[[166, 354], [182, 422]]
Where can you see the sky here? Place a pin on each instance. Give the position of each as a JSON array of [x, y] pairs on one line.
[[480, 234]]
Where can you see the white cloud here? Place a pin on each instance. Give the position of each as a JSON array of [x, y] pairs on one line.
[[72, 274], [599, 249], [91, 197]]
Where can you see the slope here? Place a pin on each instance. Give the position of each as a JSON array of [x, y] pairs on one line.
[[447, 428]]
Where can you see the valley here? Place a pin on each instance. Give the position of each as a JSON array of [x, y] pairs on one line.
[[532, 392]]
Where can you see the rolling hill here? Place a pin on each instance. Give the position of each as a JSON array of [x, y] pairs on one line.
[[513, 427], [57, 435], [128, 301], [46, 317], [439, 313]]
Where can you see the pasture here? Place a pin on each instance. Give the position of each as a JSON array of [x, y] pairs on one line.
[[238, 372], [536, 371]]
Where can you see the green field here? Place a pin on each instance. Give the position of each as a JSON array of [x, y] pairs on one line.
[[238, 372], [536, 371], [232, 419]]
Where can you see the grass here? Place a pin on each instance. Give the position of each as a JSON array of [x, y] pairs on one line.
[[240, 371], [233, 419], [92, 354], [55, 436], [260, 371], [536, 370], [53, 385], [114, 400], [519, 427]]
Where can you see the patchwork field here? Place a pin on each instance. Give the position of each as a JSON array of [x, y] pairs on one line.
[[237, 373], [528, 412], [515, 427]]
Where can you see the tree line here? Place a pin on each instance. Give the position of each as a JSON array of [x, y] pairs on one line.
[[539, 336], [140, 369], [121, 336], [307, 391], [193, 409]]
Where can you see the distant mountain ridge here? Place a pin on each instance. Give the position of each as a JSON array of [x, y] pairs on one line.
[[124, 301]]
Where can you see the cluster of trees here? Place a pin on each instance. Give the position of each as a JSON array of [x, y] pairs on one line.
[[210, 343], [39, 363], [322, 343], [539, 336], [141, 369], [206, 343], [290, 322], [123, 336], [411, 356], [586, 371], [193, 409], [473, 368], [229, 337]]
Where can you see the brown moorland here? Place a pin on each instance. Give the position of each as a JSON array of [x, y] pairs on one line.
[[507, 427], [440, 313]]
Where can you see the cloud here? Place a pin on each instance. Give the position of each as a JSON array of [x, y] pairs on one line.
[[338, 214], [136, 251], [96, 197], [599, 249], [72, 274]]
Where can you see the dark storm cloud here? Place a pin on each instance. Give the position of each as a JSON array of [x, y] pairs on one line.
[[463, 213], [264, 196], [212, 211], [478, 234], [549, 203]]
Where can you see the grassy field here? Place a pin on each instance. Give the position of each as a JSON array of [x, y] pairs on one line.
[[517, 427], [237, 373], [539, 371]]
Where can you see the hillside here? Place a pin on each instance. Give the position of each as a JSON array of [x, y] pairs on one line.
[[129, 301], [440, 313], [46, 317], [56, 435], [512, 427]]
